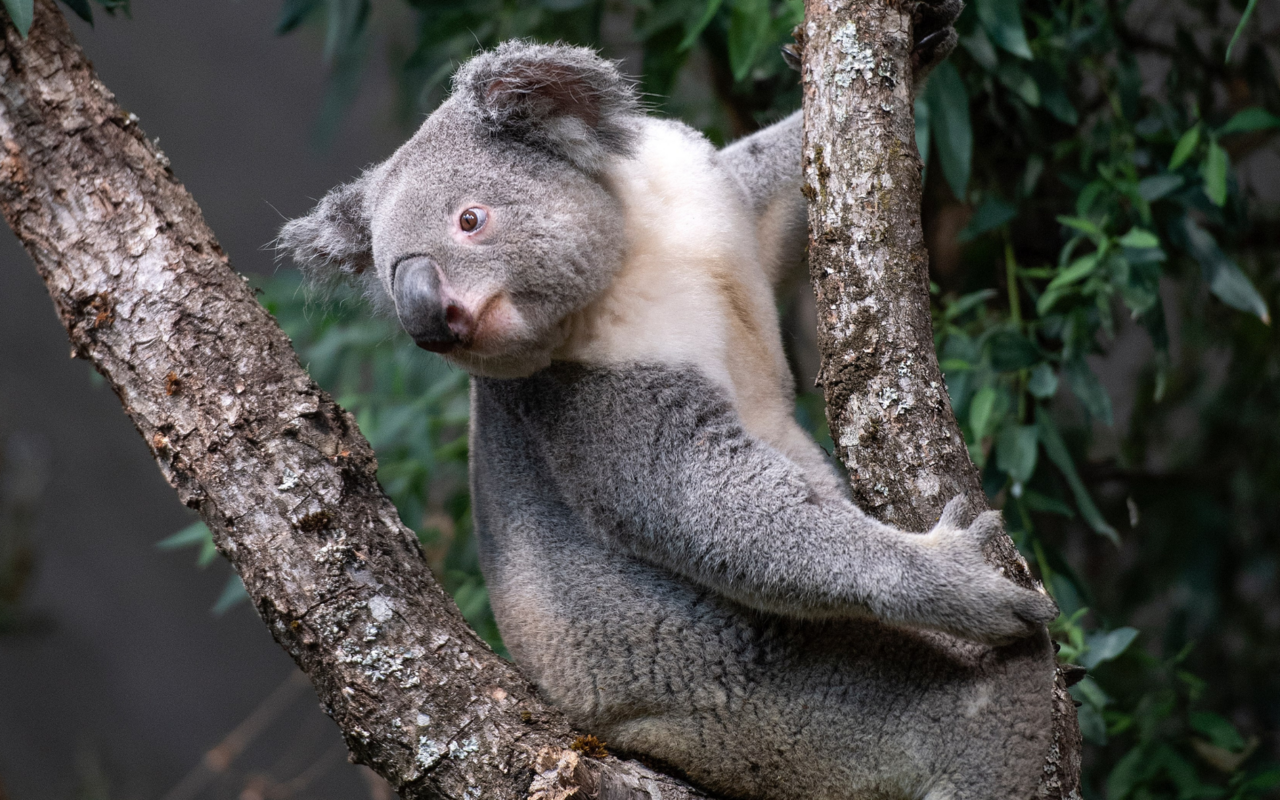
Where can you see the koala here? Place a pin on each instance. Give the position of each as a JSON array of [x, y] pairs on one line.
[[669, 556]]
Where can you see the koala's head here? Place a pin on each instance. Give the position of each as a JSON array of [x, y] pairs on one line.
[[492, 224]]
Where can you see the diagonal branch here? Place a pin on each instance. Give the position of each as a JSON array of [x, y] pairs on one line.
[[278, 471]]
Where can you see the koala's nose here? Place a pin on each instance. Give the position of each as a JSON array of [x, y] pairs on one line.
[[437, 321]]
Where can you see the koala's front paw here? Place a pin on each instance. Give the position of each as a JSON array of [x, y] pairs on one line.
[[977, 602], [933, 34]]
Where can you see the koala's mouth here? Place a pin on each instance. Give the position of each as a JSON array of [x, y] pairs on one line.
[[428, 309], [444, 320]]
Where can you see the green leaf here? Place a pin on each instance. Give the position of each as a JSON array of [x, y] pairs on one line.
[[693, 31], [1050, 505], [82, 8], [1224, 277], [195, 533], [20, 11], [1104, 647], [1185, 147], [1158, 186], [1003, 21], [1044, 382], [1011, 351], [1056, 449], [968, 302], [749, 31], [952, 130], [980, 47], [981, 410], [993, 213], [1244, 20], [1016, 451], [1131, 770], [922, 129], [232, 594], [1087, 227], [1218, 730], [1249, 120], [1139, 238], [1092, 727], [1078, 270], [1090, 391], [1020, 83], [293, 13], [1214, 171]]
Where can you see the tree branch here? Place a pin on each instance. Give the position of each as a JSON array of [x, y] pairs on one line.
[[887, 404], [278, 471]]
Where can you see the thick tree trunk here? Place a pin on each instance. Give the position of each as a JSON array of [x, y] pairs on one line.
[[277, 470], [888, 408]]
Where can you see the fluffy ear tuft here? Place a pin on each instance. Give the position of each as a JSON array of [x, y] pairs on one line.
[[566, 99], [333, 241]]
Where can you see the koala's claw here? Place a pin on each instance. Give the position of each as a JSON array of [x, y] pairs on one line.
[[981, 604]]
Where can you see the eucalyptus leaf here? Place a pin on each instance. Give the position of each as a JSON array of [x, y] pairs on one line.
[[980, 47], [1088, 389], [293, 12], [694, 30], [1185, 147], [1103, 647], [1087, 227], [1224, 277], [20, 12], [1218, 730], [82, 8], [968, 302], [195, 533], [749, 31], [1016, 451], [1020, 83], [1043, 382], [1139, 238], [1056, 449], [1078, 270], [921, 110], [981, 411], [1011, 351], [1214, 171], [949, 122], [1002, 20], [1244, 20], [233, 594], [1250, 120], [1157, 186], [993, 213]]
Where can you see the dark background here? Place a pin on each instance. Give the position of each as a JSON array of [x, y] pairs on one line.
[[123, 679]]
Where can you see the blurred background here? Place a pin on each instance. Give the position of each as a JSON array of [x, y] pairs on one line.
[[1102, 209]]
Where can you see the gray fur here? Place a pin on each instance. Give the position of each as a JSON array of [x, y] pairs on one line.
[[675, 584]]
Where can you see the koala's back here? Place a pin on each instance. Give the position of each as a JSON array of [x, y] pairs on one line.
[[747, 703]]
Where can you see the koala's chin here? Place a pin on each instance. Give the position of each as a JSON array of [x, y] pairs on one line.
[[505, 366]]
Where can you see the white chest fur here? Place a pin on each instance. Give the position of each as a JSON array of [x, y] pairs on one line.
[[693, 291]]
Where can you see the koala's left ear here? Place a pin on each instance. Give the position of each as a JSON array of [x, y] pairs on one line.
[[333, 241], [566, 99]]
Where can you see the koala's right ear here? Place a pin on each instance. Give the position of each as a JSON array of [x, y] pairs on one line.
[[333, 241], [567, 100]]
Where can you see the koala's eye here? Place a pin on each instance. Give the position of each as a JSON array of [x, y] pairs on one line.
[[472, 219]]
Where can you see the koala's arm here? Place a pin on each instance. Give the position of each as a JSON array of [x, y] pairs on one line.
[[767, 166], [664, 469], [767, 163]]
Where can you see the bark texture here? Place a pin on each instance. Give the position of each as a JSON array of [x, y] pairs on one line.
[[278, 471], [887, 405]]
